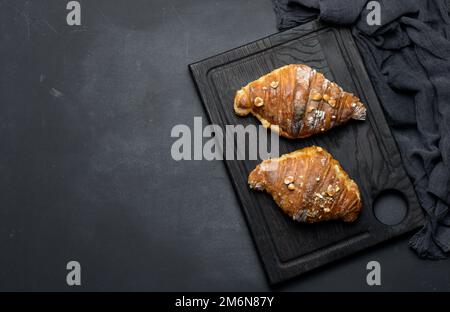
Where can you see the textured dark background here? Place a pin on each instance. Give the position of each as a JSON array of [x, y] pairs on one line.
[[85, 166]]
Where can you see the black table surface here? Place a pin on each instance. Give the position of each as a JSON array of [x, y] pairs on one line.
[[86, 172]]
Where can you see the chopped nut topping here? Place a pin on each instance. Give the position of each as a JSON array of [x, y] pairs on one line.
[[258, 186], [291, 187], [332, 102], [331, 190], [316, 96], [326, 209], [259, 101], [326, 97], [353, 105], [274, 84], [288, 180]]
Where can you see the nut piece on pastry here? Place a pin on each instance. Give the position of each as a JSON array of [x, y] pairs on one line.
[[297, 102], [309, 185]]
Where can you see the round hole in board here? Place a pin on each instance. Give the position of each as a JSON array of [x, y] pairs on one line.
[[390, 207]]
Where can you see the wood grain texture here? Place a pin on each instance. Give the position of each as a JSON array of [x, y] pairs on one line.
[[366, 150]]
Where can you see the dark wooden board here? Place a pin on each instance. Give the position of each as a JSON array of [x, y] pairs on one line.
[[366, 150]]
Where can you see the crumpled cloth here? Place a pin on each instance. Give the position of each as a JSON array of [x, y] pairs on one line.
[[408, 60]]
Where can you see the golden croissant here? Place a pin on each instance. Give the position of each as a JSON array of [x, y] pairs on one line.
[[309, 185], [296, 101]]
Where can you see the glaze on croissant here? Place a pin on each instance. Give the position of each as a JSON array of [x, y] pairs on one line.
[[309, 185], [297, 101]]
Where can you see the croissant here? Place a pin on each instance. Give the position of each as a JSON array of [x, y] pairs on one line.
[[296, 101], [309, 185]]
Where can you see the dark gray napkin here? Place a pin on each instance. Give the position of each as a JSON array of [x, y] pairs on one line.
[[408, 60]]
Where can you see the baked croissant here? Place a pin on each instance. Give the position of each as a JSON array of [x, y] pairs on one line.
[[309, 185], [296, 101]]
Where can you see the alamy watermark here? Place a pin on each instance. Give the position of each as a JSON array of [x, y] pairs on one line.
[[211, 142], [74, 16], [73, 277], [374, 276], [374, 15]]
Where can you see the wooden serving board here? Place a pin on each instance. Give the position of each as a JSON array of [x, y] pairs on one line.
[[366, 150]]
